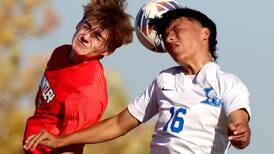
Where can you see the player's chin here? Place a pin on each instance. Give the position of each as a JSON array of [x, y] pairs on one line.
[[80, 51], [240, 144]]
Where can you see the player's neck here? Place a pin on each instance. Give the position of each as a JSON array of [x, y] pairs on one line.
[[194, 67], [73, 58]]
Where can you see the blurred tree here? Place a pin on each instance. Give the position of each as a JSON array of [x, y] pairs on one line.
[[18, 21]]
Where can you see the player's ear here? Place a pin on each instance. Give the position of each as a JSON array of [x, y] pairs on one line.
[[205, 33]]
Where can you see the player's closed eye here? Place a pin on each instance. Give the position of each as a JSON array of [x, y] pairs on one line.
[[94, 31], [178, 30], [84, 26]]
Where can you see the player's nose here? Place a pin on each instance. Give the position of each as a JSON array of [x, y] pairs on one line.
[[170, 37], [84, 38]]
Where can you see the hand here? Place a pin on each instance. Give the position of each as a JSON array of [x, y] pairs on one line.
[[43, 138], [239, 135]]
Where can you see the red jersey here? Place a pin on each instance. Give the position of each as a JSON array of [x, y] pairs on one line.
[[70, 97]]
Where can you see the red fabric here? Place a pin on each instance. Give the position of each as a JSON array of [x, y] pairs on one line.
[[70, 97], [39, 150]]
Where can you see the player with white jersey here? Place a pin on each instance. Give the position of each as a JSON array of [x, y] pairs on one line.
[[192, 109], [201, 109]]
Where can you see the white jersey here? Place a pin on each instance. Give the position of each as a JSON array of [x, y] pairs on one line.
[[192, 110]]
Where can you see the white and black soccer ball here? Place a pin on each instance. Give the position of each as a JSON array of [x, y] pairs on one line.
[[145, 33]]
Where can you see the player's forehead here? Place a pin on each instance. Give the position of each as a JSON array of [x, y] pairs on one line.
[[91, 24], [181, 22], [94, 26]]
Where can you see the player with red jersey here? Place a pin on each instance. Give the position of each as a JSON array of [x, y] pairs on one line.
[[73, 94], [70, 96]]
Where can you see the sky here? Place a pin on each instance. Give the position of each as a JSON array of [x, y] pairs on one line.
[[245, 48]]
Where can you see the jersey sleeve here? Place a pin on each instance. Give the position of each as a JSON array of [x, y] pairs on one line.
[[236, 95], [145, 106]]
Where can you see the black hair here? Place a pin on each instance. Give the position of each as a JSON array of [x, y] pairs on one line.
[[161, 23]]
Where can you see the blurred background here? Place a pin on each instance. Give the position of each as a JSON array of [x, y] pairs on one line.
[[31, 29]]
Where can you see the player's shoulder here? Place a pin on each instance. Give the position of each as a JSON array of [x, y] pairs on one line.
[[168, 75], [171, 71], [214, 70], [213, 74], [58, 56], [61, 50], [228, 77], [229, 80]]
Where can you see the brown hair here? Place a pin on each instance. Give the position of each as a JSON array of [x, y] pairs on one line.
[[110, 15]]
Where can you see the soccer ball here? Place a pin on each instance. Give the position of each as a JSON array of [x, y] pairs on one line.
[[145, 33]]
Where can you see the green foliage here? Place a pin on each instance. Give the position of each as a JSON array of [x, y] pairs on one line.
[[16, 82], [19, 84]]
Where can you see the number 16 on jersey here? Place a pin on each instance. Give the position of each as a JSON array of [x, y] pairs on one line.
[[176, 121]]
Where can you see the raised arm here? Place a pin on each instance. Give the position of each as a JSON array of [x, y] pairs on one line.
[[105, 130], [238, 128]]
